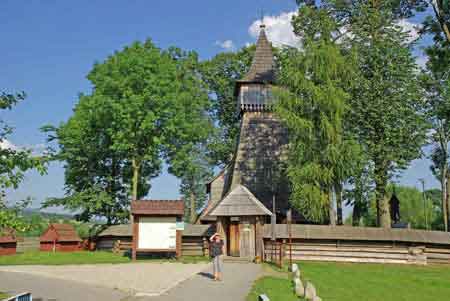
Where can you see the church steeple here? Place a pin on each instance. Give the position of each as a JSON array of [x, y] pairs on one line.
[[262, 68], [253, 90]]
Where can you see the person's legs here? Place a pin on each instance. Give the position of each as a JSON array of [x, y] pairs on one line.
[[215, 266], [219, 267]]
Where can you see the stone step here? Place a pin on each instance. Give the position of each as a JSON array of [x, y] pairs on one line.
[[237, 259]]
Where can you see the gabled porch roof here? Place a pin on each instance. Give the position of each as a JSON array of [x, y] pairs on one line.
[[240, 201]]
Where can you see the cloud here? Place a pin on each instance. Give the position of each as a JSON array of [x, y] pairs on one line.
[[227, 44], [278, 29], [412, 29], [6, 144], [421, 61]]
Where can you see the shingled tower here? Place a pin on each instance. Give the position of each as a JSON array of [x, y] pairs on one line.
[[262, 141], [241, 195]]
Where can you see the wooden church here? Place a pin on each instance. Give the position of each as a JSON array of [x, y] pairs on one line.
[[243, 197]]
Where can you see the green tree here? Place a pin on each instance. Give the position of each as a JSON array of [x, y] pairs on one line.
[[148, 105], [312, 102], [13, 165], [220, 74], [386, 99], [96, 176], [436, 82], [194, 170]]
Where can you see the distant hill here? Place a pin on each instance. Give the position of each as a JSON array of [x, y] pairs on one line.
[[47, 215]]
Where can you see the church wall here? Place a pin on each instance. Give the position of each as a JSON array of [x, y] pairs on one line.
[[262, 149]]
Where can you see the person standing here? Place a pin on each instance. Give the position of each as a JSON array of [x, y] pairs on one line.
[[216, 254]]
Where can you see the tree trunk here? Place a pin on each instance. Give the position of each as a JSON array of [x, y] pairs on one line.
[[134, 190], [332, 210], [193, 202], [356, 214], [444, 195], [440, 16], [383, 212], [338, 190], [135, 182]]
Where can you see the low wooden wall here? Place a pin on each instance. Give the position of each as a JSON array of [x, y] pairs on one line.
[[195, 246], [357, 244], [28, 244], [69, 246], [107, 243], [8, 248]]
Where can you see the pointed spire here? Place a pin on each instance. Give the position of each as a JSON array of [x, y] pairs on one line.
[[262, 68]]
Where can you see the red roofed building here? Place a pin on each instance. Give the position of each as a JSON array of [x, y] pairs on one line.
[[8, 242], [60, 237]]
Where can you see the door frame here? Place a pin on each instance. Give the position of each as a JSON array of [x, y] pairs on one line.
[[233, 240]]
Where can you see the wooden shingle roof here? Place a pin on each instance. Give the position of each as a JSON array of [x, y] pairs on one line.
[[60, 232], [240, 201], [7, 236], [263, 64], [322, 232], [158, 207], [117, 230]]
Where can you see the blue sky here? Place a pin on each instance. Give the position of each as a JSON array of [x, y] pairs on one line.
[[48, 47]]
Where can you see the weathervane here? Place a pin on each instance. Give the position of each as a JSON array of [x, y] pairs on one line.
[[261, 12]]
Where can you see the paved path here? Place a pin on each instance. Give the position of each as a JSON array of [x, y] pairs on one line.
[[55, 289], [238, 280], [148, 278]]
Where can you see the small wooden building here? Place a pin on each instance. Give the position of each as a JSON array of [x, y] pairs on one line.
[[8, 242], [113, 235], [60, 237], [240, 221], [156, 226]]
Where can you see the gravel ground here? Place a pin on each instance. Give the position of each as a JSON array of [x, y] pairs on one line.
[[134, 278], [46, 288], [237, 282]]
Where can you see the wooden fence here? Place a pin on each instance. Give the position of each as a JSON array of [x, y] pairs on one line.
[[121, 246], [356, 251], [195, 246], [191, 246], [27, 244]]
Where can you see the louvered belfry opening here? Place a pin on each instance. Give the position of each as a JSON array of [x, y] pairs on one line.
[[254, 90]]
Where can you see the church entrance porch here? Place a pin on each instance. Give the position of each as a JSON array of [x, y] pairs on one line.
[[240, 219], [243, 235]]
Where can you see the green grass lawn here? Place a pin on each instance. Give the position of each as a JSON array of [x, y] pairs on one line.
[[3, 296], [58, 258], [368, 282], [84, 257]]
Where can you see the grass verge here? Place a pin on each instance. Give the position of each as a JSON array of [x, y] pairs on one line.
[[3, 296], [84, 257], [368, 282], [60, 258]]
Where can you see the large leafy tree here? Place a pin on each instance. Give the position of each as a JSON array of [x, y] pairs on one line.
[[386, 101], [96, 176], [312, 102], [146, 106], [13, 165], [436, 82], [220, 74]]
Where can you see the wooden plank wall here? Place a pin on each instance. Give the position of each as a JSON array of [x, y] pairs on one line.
[[28, 244], [195, 246], [359, 251]]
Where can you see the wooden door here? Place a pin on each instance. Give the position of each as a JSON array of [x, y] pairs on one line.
[[234, 239]]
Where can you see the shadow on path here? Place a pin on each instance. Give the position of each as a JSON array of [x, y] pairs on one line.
[[206, 275]]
